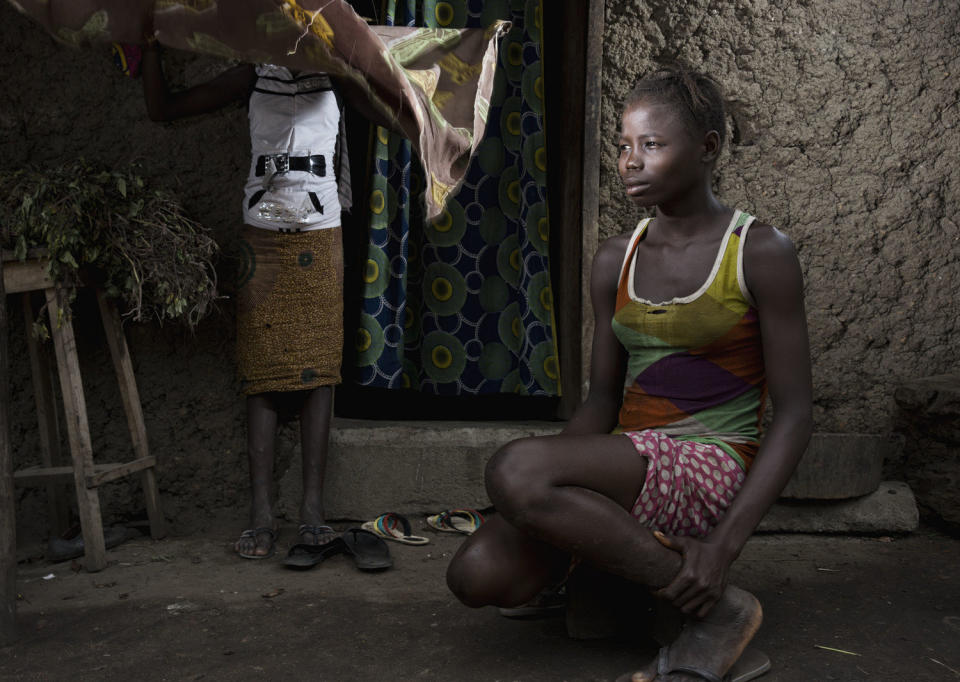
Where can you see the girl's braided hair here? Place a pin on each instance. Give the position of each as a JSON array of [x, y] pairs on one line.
[[695, 96]]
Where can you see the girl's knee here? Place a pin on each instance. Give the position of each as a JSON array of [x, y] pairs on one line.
[[514, 473], [468, 578]]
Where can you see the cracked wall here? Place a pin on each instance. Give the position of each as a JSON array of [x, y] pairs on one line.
[[845, 134]]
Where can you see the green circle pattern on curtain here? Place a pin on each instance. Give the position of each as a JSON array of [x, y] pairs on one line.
[[468, 307]]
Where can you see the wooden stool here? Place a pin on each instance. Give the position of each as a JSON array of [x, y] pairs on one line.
[[25, 277]]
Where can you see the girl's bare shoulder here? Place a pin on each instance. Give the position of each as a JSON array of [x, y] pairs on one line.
[[770, 262], [765, 242], [613, 248]]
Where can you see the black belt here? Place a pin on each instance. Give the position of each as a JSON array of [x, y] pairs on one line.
[[281, 163]]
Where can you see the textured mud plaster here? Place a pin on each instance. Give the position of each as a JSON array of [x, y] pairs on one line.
[[56, 103], [846, 135]]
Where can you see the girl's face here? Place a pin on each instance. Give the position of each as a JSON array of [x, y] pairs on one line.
[[660, 160]]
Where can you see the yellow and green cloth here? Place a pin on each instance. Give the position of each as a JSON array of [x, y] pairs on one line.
[[435, 83], [461, 304]]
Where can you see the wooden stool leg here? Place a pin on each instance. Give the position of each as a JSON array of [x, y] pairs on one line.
[[8, 525], [78, 433], [50, 452], [131, 405]]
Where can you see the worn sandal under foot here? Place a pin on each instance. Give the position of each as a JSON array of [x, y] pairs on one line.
[[317, 532], [253, 533], [751, 665]]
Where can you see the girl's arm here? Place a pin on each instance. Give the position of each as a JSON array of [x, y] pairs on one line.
[[774, 278], [234, 84], [359, 100], [598, 413]]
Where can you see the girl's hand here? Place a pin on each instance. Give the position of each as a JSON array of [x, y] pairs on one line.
[[702, 577]]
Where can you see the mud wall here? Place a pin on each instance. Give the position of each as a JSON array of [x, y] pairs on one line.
[[59, 102], [846, 135]]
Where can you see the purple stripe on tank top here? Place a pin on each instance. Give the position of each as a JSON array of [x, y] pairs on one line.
[[682, 379]]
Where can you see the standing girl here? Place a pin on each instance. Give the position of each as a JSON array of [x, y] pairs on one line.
[[663, 484], [290, 297]]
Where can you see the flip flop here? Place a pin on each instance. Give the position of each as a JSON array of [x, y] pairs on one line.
[[253, 533], [751, 665], [393, 526], [464, 521], [370, 552], [302, 556]]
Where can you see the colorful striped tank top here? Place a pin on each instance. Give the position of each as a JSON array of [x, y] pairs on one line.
[[695, 362]]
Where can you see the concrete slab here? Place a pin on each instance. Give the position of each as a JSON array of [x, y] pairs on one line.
[[418, 468], [890, 509], [839, 466], [409, 467], [930, 419]]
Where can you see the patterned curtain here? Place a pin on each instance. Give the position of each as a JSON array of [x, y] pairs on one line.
[[462, 304]]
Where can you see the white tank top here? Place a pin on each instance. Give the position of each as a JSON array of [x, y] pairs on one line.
[[297, 116]]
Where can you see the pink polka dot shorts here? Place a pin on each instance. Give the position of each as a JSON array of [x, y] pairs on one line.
[[688, 485]]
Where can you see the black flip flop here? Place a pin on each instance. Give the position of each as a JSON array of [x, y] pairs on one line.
[[303, 556], [370, 552]]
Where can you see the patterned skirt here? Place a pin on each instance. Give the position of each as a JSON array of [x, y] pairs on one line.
[[289, 310], [688, 485]]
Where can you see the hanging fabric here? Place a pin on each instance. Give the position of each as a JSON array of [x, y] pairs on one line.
[[462, 304], [397, 68]]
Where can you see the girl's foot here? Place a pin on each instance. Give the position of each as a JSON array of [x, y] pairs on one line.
[[256, 543], [707, 648], [315, 535]]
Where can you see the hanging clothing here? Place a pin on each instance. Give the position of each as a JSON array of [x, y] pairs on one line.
[[695, 362], [462, 304], [399, 68]]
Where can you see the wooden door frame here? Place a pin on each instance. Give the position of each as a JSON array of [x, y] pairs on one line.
[[590, 217], [574, 223]]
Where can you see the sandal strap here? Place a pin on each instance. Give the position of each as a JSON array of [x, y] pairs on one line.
[[470, 515], [387, 524], [314, 530], [664, 668], [254, 532]]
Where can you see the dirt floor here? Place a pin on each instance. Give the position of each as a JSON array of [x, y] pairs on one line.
[[186, 608]]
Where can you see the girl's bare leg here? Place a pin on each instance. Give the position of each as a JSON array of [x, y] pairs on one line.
[[315, 416], [572, 495], [500, 565], [558, 496], [261, 434]]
